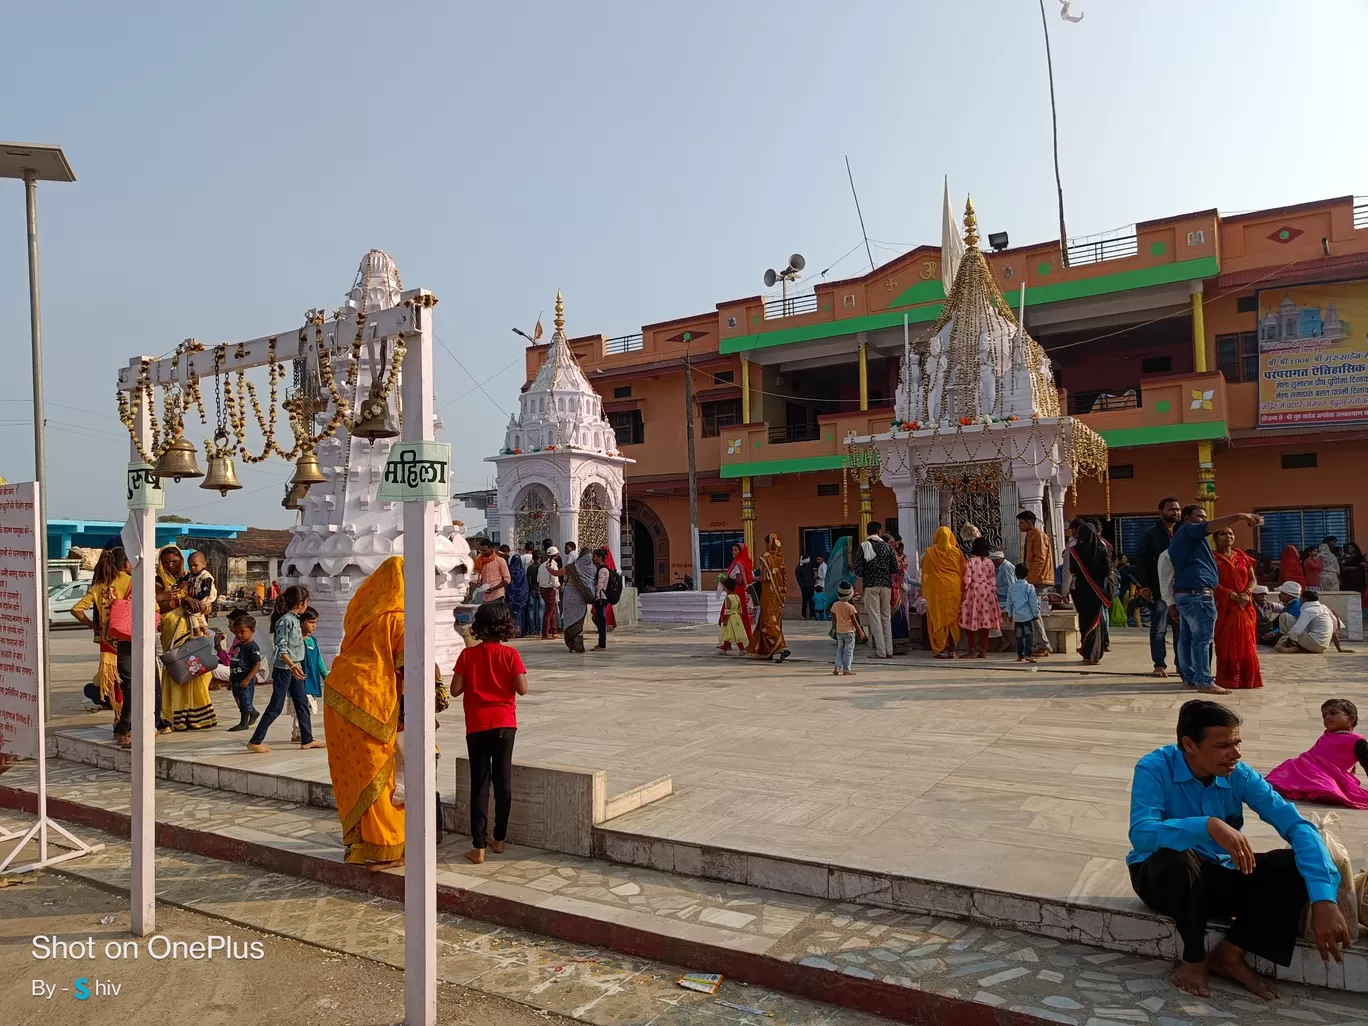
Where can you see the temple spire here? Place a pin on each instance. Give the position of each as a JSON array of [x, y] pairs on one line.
[[560, 314], [971, 236]]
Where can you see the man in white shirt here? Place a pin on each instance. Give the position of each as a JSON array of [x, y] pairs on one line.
[[1164, 571], [1315, 628]]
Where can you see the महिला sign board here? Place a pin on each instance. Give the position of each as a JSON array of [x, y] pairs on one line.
[[21, 626], [1313, 355]]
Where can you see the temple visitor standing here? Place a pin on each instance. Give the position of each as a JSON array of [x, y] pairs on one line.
[[1023, 609], [979, 609], [1153, 544], [577, 597], [1237, 640], [875, 565], [1035, 553], [847, 623], [767, 636], [549, 575], [806, 579], [1091, 578], [942, 574], [1189, 859]]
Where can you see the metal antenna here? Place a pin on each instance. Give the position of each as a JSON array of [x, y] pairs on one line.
[[868, 253]]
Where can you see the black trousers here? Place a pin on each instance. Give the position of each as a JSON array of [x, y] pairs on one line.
[[600, 614], [808, 609], [124, 662], [1265, 906], [491, 760]]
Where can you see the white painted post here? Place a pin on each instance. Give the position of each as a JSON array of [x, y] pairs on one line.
[[420, 655], [143, 891]]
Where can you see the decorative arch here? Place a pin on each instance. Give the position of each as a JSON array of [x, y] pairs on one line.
[[593, 516], [650, 547], [535, 513]]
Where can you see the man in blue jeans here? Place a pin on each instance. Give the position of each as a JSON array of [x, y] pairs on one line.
[[1153, 544], [1194, 588]]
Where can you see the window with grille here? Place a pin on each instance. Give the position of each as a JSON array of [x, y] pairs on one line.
[[628, 427], [715, 548], [1237, 356], [720, 497], [720, 414], [1301, 527]]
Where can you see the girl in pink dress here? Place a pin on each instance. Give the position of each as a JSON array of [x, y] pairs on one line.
[[1326, 772], [979, 612]]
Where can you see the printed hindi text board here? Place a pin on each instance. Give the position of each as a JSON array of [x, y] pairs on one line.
[[22, 585]]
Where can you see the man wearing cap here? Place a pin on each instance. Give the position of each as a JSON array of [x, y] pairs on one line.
[[1315, 629], [1005, 577], [1035, 553], [549, 574], [1266, 612], [1194, 590]]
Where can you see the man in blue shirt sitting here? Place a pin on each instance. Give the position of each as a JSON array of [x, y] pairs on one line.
[[1194, 592], [1190, 860]]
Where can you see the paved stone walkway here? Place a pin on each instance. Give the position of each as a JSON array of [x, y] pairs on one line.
[[1069, 983], [977, 773]]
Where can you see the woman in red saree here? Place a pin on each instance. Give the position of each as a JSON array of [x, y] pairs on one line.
[[742, 571], [608, 561], [1237, 655], [1290, 566]]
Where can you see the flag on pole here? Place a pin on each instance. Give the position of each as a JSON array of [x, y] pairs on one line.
[[952, 245]]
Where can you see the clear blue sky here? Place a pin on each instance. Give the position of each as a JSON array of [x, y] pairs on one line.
[[235, 162]]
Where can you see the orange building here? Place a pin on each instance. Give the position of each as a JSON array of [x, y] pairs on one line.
[[1223, 359]]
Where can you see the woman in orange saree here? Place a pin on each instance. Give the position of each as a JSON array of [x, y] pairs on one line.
[[361, 702], [1237, 653], [943, 589], [767, 639]]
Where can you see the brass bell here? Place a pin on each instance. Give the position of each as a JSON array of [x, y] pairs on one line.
[[294, 496], [178, 461], [307, 472], [374, 420], [221, 477]]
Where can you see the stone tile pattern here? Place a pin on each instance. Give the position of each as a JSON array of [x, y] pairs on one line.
[[1060, 981]]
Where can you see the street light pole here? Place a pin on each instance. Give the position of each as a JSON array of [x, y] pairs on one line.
[[33, 164]]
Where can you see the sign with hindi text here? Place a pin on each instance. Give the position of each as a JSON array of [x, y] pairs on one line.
[[1313, 355], [22, 604], [145, 489], [416, 472]]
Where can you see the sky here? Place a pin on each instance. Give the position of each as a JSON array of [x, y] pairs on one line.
[[235, 162]]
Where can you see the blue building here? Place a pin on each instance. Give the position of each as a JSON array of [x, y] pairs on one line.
[[95, 534]]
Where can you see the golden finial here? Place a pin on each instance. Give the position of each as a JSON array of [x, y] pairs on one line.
[[560, 314], [971, 237]]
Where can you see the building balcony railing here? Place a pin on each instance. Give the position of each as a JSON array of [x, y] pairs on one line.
[[781, 434], [1119, 397], [1361, 213], [792, 306], [1094, 249], [1160, 401], [624, 344]]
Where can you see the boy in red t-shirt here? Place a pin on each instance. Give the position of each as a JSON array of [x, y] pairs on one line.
[[489, 677]]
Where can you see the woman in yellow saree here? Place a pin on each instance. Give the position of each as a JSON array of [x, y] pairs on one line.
[[361, 700], [767, 639], [943, 589], [188, 706]]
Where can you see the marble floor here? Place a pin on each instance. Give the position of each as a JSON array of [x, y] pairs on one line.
[[1069, 983], [979, 773]]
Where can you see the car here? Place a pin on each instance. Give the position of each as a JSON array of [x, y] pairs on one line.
[[61, 597]]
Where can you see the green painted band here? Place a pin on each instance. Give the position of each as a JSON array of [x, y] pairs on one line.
[[1126, 438], [827, 329], [797, 465]]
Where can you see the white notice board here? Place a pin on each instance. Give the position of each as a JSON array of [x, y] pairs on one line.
[[22, 591]]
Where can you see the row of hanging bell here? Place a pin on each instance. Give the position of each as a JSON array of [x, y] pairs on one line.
[[307, 474], [178, 461], [374, 420], [222, 476]]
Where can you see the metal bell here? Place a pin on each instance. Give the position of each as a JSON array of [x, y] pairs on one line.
[[294, 496], [222, 477], [307, 472], [374, 420], [178, 461]]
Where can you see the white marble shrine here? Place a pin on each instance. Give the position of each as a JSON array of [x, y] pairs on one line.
[[345, 533], [559, 471]]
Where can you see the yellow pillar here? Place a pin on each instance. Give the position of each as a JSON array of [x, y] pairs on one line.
[[866, 507], [864, 373], [1206, 469], [747, 497]]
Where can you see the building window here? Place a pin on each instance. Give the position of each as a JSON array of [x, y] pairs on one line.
[[720, 497], [1156, 365], [1298, 460], [1247, 304], [720, 414], [828, 489], [1237, 356], [1301, 527], [715, 548], [628, 428], [622, 392], [725, 378], [1121, 471]]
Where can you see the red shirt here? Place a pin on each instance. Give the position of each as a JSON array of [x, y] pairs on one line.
[[490, 700]]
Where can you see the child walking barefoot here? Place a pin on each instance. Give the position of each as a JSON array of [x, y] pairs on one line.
[[314, 670], [847, 622], [489, 677], [731, 630], [1325, 773], [287, 671]]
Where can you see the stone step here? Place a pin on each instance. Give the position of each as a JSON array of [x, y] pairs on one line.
[[935, 969]]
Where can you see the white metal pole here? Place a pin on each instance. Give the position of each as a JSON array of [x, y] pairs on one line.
[[143, 892], [420, 657], [39, 451]]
